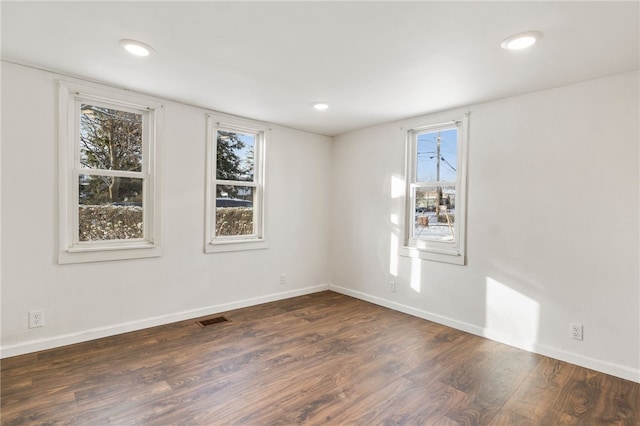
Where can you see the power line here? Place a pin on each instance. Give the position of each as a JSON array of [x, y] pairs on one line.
[[448, 164]]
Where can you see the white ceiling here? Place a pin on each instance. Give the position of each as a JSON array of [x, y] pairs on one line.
[[373, 62]]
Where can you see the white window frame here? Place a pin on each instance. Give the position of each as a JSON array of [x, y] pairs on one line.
[[71, 250], [441, 251], [257, 240]]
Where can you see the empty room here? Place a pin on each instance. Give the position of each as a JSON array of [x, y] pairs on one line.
[[320, 213]]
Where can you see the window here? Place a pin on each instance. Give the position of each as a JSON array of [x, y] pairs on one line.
[[436, 192], [107, 185], [235, 185]]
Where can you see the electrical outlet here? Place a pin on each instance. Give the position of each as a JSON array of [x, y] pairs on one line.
[[283, 279], [36, 319], [392, 286], [575, 331]]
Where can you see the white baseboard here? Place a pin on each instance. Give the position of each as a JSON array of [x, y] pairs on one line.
[[97, 333], [606, 367], [450, 322]]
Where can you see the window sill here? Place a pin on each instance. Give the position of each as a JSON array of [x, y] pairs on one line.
[[454, 258], [107, 254], [235, 245]]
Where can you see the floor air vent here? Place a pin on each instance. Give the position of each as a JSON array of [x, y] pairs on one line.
[[210, 321]]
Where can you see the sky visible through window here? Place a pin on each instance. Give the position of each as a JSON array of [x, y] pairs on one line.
[[247, 151], [427, 158]]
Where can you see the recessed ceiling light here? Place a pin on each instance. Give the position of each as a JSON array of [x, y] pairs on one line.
[[136, 48], [521, 40], [320, 106]]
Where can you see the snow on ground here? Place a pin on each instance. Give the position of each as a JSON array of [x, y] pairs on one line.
[[435, 230]]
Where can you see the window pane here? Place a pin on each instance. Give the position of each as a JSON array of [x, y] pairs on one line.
[[437, 156], [110, 139], [110, 208], [235, 156], [434, 213], [234, 210]]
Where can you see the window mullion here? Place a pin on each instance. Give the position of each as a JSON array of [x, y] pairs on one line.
[[112, 173], [432, 184], [236, 183]]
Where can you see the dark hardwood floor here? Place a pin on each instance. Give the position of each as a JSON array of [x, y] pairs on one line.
[[324, 358]]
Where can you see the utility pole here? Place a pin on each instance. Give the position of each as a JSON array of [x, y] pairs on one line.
[[438, 190], [438, 158]]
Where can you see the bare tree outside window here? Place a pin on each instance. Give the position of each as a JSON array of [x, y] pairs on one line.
[[110, 207]]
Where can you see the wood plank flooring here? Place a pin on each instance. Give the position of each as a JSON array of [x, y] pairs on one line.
[[319, 359]]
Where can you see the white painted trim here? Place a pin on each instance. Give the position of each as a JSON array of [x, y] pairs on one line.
[[453, 257], [258, 240], [440, 319], [240, 245], [602, 366], [97, 333], [106, 253], [447, 252], [70, 250]]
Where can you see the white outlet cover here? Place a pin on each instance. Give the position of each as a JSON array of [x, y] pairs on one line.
[[36, 319], [575, 331]]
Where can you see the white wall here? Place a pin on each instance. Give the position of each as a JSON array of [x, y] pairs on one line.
[[84, 301], [553, 225]]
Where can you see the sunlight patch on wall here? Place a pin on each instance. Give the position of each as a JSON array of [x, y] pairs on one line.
[[416, 274], [511, 316], [397, 190], [397, 187], [393, 255]]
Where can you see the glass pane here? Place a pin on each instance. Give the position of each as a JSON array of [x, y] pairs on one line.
[[110, 208], [435, 213], [110, 139], [235, 154], [437, 156], [234, 210]]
